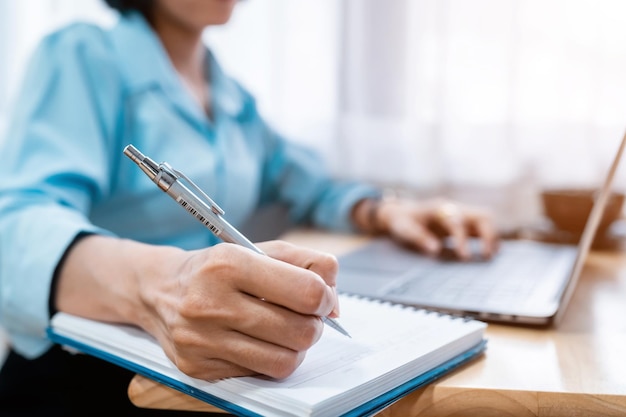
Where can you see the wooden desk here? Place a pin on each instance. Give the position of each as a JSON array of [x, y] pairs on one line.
[[578, 368]]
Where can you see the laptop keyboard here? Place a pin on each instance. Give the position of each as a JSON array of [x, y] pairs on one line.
[[508, 279]]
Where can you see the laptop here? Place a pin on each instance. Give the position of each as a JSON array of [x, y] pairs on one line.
[[527, 282]]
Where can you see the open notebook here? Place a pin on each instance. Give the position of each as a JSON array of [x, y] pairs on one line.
[[393, 350], [527, 282]]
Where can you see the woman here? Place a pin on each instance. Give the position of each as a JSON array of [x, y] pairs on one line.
[[82, 230]]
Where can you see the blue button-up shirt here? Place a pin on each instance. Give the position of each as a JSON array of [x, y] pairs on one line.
[[89, 92]]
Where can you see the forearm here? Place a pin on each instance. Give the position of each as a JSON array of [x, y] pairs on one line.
[[101, 278]]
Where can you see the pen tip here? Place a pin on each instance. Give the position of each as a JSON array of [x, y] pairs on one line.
[[344, 332], [333, 323]]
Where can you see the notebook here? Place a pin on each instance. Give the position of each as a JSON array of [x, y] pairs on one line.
[[527, 282], [393, 350]]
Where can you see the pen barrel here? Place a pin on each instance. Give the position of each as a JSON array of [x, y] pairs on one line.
[[231, 235], [205, 215]]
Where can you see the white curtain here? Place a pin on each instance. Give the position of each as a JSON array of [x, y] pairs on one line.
[[501, 94], [23, 23], [422, 95]]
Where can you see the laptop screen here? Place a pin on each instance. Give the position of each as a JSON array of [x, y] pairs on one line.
[[591, 227]]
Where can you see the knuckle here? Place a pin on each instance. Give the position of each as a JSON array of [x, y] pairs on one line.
[[223, 259], [195, 356], [184, 361], [188, 367], [285, 363], [182, 339], [329, 263], [309, 333], [313, 295], [306, 333], [199, 308], [209, 281], [191, 305]]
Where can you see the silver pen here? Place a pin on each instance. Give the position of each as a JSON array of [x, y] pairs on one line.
[[199, 205]]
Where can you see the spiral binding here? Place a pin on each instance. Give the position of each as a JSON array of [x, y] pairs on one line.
[[453, 315]]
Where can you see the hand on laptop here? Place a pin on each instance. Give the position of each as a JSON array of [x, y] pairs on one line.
[[426, 225]]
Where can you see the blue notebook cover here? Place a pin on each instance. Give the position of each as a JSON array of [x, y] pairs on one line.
[[416, 357], [371, 407]]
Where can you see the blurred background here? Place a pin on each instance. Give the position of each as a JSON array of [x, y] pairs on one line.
[[486, 101]]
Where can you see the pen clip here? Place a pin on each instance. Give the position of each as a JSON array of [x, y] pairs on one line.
[[212, 204]]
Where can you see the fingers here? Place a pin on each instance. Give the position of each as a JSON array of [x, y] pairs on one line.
[[461, 222], [323, 264], [415, 234], [271, 323], [202, 367], [287, 285], [238, 269], [451, 218], [484, 229], [230, 353], [425, 224], [261, 357]]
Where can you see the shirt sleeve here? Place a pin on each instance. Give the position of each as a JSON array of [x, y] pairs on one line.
[[296, 175], [314, 196], [53, 164]]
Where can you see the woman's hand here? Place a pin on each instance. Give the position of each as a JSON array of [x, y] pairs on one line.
[[424, 224], [218, 312], [227, 311]]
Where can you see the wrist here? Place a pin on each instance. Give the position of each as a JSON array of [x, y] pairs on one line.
[[156, 283], [366, 216], [97, 279]]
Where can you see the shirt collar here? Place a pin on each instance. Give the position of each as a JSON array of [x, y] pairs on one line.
[[145, 64]]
